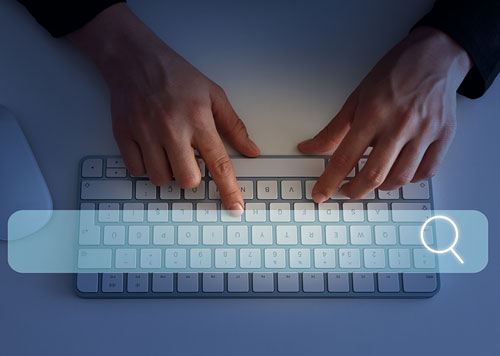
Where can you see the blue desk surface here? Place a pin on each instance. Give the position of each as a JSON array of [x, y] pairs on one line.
[[279, 62]]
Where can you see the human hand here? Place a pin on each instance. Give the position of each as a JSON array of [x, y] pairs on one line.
[[404, 108], [162, 107]]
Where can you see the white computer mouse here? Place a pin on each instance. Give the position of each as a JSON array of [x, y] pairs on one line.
[[22, 186]]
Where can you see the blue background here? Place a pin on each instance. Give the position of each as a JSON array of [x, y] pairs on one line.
[[290, 62]]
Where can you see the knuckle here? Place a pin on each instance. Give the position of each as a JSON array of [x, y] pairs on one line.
[[374, 177], [222, 167]]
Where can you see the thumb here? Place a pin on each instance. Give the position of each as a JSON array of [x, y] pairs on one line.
[[333, 133], [231, 127]]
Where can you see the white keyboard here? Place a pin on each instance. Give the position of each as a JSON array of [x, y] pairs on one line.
[[129, 223]]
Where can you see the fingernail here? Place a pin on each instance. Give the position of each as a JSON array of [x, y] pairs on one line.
[[236, 210], [318, 197]]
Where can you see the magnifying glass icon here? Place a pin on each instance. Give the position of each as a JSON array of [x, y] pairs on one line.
[[451, 247]]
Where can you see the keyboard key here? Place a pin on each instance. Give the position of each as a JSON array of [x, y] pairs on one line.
[[288, 282], [213, 235], [374, 257], [182, 212], [133, 212], [336, 235], [201, 164], [125, 258], [144, 189], [115, 163], [388, 282], [309, 187], [410, 235], [263, 282], [313, 282], [138, 235], [187, 282], [94, 258], [361, 234], [175, 258], [114, 235], [410, 212], [278, 167], [338, 282], [150, 258], [353, 212], [237, 282], [419, 190], [304, 212], [324, 258], [170, 191], [255, 212], [388, 194], [423, 258], [361, 164], [112, 282], [157, 212], [338, 195], [286, 235], [300, 258], [291, 189], [206, 212], [213, 282], [399, 258], [163, 282], [106, 189], [311, 235], [363, 282], [109, 212], [89, 233], [385, 235], [267, 189], [349, 258], [200, 258], [328, 212], [228, 216], [196, 192], [279, 212], [246, 187], [137, 282], [213, 191], [87, 282], [419, 282], [262, 235], [237, 235], [225, 258], [163, 235], [187, 235], [274, 258], [92, 168], [377, 212], [250, 258]]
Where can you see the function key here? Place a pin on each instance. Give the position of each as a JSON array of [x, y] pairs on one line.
[[92, 168], [115, 163]]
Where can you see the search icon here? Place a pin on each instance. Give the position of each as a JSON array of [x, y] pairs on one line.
[[450, 248]]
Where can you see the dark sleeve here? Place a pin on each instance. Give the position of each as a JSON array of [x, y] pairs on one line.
[[61, 17], [475, 25]]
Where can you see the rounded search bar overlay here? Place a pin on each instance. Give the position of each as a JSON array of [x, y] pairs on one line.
[[448, 249], [280, 240]]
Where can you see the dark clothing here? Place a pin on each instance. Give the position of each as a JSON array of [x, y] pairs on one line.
[[474, 24]]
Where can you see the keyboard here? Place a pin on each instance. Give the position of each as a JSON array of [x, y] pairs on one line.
[[270, 184]]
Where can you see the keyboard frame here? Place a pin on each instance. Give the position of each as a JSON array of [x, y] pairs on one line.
[[250, 294]]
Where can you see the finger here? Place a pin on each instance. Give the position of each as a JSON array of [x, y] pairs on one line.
[[183, 163], [220, 167], [405, 166], [341, 163], [132, 155], [155, 160], [432, 159], [376, 169], [333, 133], [231, 127]]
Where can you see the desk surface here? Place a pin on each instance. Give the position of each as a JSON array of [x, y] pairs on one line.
[[280, 63]]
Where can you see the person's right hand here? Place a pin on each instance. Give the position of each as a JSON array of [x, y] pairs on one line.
[[162, 107]]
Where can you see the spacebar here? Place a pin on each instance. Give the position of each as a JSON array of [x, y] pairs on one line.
[[278, 167]]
